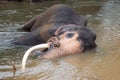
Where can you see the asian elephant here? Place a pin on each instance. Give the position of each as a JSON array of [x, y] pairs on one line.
[[64, 31]]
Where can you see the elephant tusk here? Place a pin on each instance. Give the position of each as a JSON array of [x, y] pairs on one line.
[[29, 51]]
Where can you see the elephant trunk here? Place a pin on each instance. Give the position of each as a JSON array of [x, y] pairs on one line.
[[29, 51]]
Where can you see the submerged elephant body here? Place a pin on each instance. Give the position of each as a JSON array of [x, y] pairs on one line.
[[62, 28]]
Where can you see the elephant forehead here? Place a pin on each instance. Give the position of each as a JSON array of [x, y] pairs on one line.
[[70, 27]]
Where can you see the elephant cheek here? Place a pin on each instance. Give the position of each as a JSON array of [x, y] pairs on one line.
[[53, 53], [63, 50]]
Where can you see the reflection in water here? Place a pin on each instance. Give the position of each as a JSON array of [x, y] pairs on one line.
[[110, 13], [99, 64]]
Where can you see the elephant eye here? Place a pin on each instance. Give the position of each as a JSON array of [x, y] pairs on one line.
[[69, 35]]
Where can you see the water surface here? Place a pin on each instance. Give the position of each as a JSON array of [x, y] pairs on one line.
[[99, 64]]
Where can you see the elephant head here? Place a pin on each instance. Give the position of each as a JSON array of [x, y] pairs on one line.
[[67, 40]]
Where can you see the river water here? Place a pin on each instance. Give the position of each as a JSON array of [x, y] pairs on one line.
[[103, 63]]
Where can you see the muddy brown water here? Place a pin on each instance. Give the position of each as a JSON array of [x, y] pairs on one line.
[[103, 63]]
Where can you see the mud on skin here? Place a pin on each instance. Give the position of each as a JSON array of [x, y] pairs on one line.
[[64, 30]]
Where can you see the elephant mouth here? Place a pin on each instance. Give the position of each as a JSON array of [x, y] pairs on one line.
[[53, 42], [53, 45], [53, 48]]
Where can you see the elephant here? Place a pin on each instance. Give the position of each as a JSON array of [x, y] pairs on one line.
[[63, 30]]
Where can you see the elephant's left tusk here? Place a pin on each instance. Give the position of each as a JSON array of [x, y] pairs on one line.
[[29, 51]]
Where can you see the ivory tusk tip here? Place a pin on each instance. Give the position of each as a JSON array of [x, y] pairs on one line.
[[29, 51]]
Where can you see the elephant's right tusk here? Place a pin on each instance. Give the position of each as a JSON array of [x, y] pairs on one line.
[[29, 51]]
